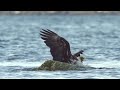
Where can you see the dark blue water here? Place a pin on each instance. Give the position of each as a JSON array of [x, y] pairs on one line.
[[21, 47]]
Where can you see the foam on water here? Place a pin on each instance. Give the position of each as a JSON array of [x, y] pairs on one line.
[[107, 64], [21, 63]]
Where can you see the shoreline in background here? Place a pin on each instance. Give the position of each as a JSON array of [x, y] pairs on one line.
[[59, 12]]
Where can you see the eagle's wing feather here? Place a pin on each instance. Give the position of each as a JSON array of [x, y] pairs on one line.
[[59, 47]]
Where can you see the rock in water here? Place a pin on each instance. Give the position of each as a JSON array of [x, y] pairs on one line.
[[51, 65]]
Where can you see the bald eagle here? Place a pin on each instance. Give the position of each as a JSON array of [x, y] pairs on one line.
[[59, 47]]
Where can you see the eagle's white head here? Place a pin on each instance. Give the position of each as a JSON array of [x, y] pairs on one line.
[[80, 60]]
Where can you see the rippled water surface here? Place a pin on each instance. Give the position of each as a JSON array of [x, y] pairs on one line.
[[21, 47]]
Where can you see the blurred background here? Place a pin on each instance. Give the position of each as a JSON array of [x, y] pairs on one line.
[[22, 49], [57, 12]]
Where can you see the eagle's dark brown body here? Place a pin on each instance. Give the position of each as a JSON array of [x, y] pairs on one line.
[[59, 47]]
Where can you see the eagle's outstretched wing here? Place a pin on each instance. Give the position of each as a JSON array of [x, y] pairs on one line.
[[59, 47]]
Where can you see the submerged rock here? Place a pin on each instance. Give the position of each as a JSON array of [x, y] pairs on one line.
[[51, 65]]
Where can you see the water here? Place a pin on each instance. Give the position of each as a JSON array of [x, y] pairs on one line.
[[22, 49]]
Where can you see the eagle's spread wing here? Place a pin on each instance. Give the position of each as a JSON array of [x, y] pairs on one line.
[[59, 47]]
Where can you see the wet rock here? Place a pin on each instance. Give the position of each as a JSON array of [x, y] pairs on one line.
[[51, 65]]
